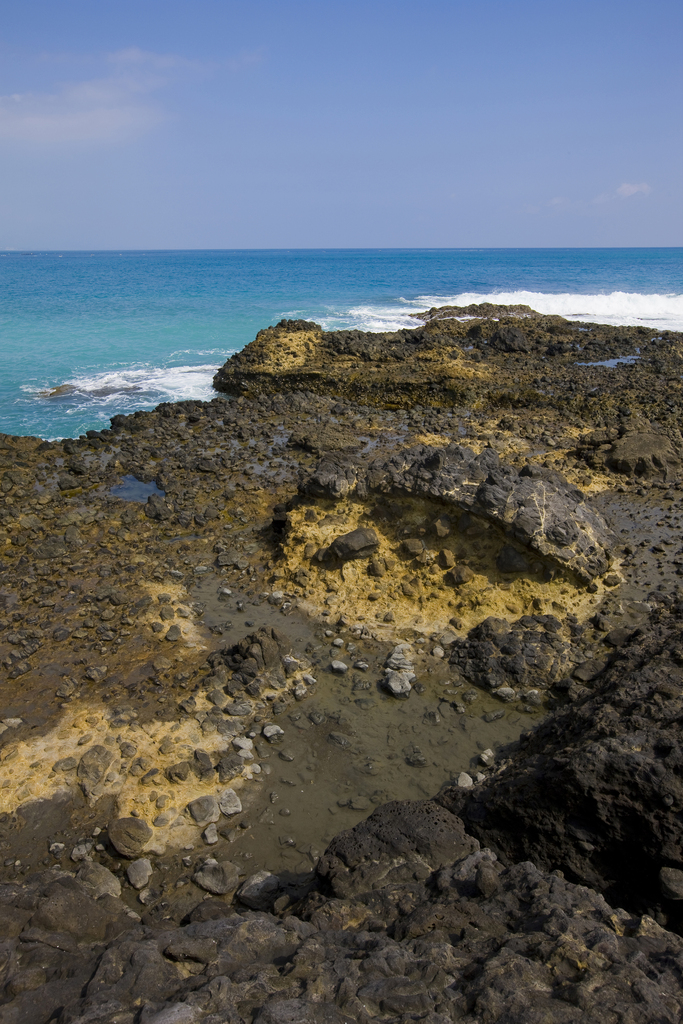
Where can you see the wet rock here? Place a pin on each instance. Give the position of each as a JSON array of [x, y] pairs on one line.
[[217, 878], [464, 781], [129, 835], [671, 882], [139, 872]]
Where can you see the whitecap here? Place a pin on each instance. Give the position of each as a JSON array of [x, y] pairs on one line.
[[660, 312], [130, 387]]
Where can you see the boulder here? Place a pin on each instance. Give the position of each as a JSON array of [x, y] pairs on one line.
[[397, 840], [129, 835], [645, 455]]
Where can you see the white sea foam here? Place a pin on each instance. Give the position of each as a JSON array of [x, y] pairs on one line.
[[130, 387], [661, 312]]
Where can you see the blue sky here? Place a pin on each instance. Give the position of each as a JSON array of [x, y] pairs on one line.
[[231, 124]]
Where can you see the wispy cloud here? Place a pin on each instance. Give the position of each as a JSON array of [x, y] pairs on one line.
[[624, 191], [112, 108]]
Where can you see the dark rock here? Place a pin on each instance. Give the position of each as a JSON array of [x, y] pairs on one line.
[[219, 879], [595, 789], [671, 882], [510, 339], [537, 507], [511, 560], [650, 456], [129, 835], [391, 844], [93, 766], [359, 543]]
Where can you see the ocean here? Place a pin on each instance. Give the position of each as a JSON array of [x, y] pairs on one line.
[[119, 331]]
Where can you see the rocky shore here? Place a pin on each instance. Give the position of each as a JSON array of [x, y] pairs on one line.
[[354, 693]]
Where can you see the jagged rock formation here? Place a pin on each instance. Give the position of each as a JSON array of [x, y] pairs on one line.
[[596, 790], [423, 925]]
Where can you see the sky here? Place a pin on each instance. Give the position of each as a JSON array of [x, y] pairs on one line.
[[221, 124]]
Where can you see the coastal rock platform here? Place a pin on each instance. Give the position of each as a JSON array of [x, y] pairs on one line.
[[354, 693]]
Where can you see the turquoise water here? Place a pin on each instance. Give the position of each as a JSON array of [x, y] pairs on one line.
[[123, 331]]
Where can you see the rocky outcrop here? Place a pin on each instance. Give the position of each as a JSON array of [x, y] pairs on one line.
[[449, 935], [596, 789], [536, 507]]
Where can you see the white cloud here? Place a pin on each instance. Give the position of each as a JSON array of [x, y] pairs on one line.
[[108, 109], [626, 190], [623, 192]]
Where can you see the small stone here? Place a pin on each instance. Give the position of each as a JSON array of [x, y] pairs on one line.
[[98, 880], [505, 693], [210, 834], [81, 851], [216, 878], [173, 633], [465, 781], [229, 803], [438, 652], [339, 667], [204, 809], [139, 872], [398, 683], [272, 733], [671, 883], [129, 835], [162, 664], [259, 891]]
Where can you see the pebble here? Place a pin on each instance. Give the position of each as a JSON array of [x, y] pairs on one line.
[[398, 683], [272, 732], [339, 667], [139, 872], [210, 834], [464, 781]]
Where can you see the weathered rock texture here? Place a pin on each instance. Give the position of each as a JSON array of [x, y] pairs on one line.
[[536, 507], [470, 941], [596, 790]]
